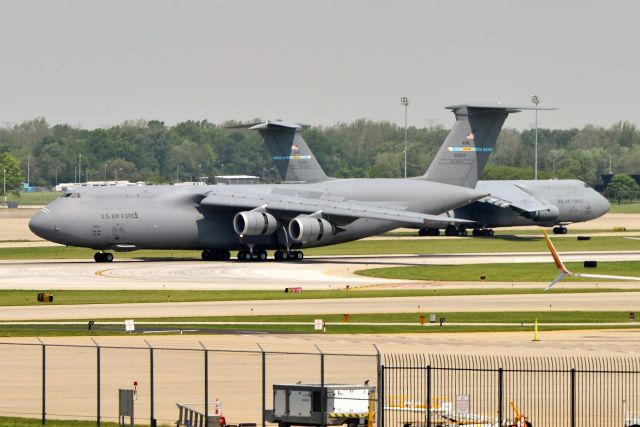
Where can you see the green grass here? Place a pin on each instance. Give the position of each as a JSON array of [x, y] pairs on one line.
[[28, 422], [39, 198], [482, 322], [72, 297], [630, 208], [522, 272], [365, 247]]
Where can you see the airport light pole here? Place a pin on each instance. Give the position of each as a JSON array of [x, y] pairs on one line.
[[404, 101], [535, 100], [4, 184]]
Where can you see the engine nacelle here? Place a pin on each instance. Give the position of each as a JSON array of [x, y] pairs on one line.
[[310, 229], [254, 223], [547, 214]]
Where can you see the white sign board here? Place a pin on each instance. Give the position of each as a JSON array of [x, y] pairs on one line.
[[129, 325], [462, 404], [318, 324]]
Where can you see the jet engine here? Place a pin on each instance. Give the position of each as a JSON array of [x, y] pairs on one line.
[[254, 223], [310, 229], [548, 213]]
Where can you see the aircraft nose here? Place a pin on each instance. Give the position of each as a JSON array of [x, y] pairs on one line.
[[601, 205], [41, 224]]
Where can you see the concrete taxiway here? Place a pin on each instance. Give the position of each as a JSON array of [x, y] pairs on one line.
[[616, 301], [315, 273]]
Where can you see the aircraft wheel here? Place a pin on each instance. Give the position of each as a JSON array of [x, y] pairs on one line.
[[262, 255], [491, 232], [563, 230], [450, 231], [277, 255], [423, 232], [241, 255], [298, 255], [476, 232], [462, 232], [108, 257], [225, 256], [285, 256], [207, 255], [97, 257]]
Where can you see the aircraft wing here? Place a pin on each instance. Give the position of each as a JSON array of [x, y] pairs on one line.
[[510, 196], [294, 206]]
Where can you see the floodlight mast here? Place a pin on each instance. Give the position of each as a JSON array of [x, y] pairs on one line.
[[535, 100], [404, 101]]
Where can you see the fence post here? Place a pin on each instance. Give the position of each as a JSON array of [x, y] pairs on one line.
[[500, 395], [573, 397], [44, 382], [264, 384], [428, 395], [381, 397], [151, 391], [206, 383], [379, 385], [323, 408], [98, 382]]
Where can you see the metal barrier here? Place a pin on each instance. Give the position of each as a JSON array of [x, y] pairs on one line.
[[190, 417], [437, 391], [167, 375]]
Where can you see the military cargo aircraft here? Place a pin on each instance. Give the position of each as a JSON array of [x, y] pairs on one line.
[[460, 161], [249, 218]]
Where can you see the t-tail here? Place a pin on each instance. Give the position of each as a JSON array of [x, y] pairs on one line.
[[564, 271], [464, 153], [290, 152]]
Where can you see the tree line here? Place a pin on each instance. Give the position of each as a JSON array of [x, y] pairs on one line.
[[156, 153]]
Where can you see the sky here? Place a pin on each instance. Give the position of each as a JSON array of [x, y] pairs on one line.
[[98, 63]]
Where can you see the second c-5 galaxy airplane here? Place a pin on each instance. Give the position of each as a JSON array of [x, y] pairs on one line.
[[460, 161], [255, 218]]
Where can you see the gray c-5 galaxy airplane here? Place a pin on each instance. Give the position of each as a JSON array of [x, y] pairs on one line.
[[249, 218], [460, 161]]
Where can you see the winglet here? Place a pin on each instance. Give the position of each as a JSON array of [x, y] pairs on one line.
[[554, 254], [564, 272]]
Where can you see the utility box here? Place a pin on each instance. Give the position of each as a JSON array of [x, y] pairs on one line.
[[301, 404]]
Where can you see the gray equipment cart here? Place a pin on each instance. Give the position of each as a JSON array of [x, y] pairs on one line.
[[301, 404]]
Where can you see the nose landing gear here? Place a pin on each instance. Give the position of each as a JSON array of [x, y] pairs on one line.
[[560, 230]]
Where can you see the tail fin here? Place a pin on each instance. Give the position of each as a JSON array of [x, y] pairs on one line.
[[293, 158], [464, 153]]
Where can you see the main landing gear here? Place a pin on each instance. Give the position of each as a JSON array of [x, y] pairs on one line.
[[103, 257], [216, 255], [482, 232], [428, 232], [261, 255], [560, 230], [288, 255]]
